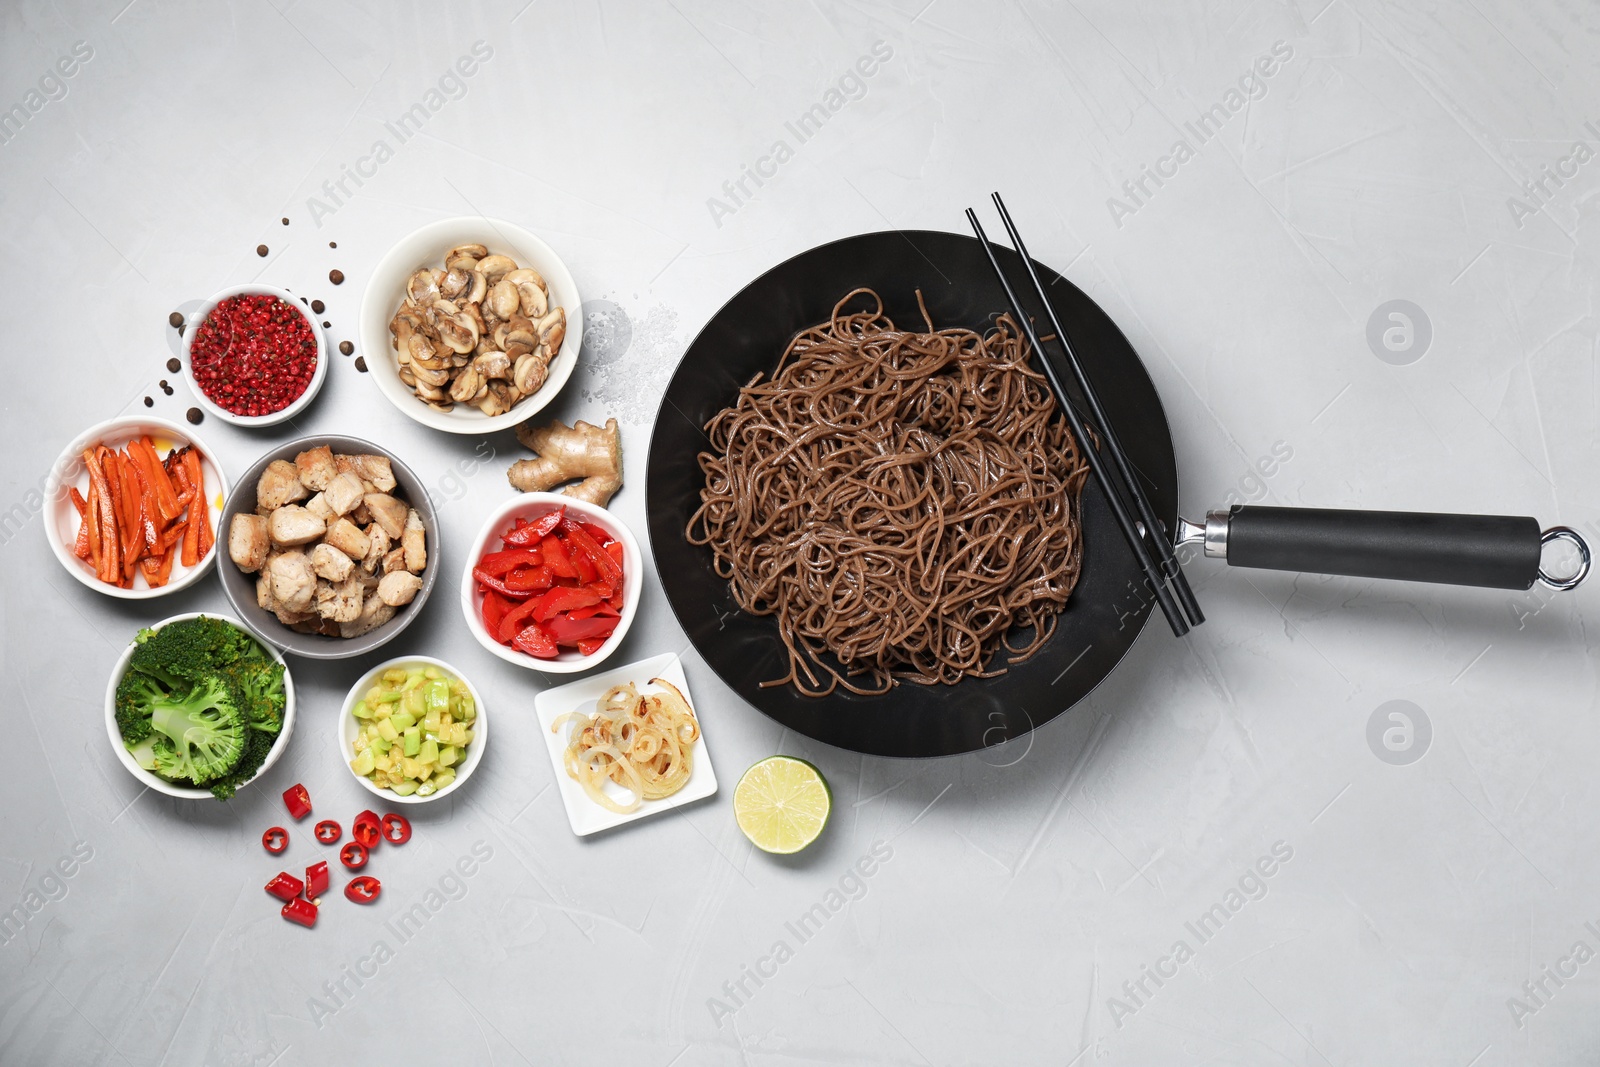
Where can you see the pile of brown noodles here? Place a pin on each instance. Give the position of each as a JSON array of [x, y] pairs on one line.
[[897, 499]]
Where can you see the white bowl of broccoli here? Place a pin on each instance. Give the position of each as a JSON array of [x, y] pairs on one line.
[[200, 709]]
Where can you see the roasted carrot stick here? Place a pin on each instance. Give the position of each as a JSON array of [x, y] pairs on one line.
[[166, 496], [104, 536], [92, 521], [164, 571], [130, 528], [199, 507], [80, 547]]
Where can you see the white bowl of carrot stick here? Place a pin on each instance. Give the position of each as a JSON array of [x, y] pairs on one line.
[[132, 505]]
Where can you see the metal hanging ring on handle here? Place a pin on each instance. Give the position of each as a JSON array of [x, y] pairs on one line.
[[1568, 534]]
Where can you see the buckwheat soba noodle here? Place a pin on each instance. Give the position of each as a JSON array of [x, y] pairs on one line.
[[900, 500]]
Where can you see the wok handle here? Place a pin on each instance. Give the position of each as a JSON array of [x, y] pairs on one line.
[[1490, 551]]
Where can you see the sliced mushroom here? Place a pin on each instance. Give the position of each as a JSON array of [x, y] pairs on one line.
[[530, 372], [457, 282], [431, 393], [408, 377], [497, 401], [503, 299], [493, 268], [466, 385], [438, 378], [476, 291], [465, 256], [495, 364], [531, 290], [456, 328], [422, 288], [553, 329]]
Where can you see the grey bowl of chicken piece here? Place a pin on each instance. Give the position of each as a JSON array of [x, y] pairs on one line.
[[241, 587]]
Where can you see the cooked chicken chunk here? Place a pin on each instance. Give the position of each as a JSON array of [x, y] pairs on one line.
[[264, 599], [377, 549], [249, 541], [279, 485], [343, 493], [348, 463], [294, 586], [318, 506], [374, 613], [340, 601], [315, 467], [388, 513], [295, 525], [394, 561], [415, 540], [347, 537], [330, 563], [376, 471], [398, 588]]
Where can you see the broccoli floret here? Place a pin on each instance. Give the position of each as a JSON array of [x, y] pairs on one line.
[[257, 744], [207, 727], [137, 695], [261, 682], [185, 651]]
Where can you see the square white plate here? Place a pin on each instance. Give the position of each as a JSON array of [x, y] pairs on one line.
[[585, 815]]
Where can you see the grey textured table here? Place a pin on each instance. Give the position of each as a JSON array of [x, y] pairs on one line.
[[1208, 861]]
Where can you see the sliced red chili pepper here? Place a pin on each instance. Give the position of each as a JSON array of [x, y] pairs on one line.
[[396, 828], [353, 855], [367, 829], [275, 840], [297, 800], [532, 533], [316, 879], [557, 558], [535, 642], [302, 911], [602, 536], [363, 889], [565, 630], [328, 831], [490, 582], [285, 886], [529, 579], [563, 599], [580, 541], [499, 564]]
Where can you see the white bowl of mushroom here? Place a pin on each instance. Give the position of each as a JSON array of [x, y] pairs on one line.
[[333, 546], [471, 325]]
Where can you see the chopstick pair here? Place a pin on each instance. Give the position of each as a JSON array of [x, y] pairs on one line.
[[1109, 462]]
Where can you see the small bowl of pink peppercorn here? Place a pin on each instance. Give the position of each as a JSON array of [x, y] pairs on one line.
[[254, 356]]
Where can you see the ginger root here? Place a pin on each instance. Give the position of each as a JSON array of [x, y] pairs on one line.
[[568, 453]]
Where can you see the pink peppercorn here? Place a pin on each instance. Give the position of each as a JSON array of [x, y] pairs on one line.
[[253, 355]]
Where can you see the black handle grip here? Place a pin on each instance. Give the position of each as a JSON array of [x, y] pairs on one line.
[[1492, 551]]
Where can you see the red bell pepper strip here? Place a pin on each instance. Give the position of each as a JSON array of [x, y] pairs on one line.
[[396, 828], [601, 536], [489, 581], [535, 642], [514, 620], [297, 800], [302, 911], [285, 886], [580, 540], [614, 550], [494, 609], [499, 564], [363, 890], [591, 646], [532, 533], [564, 630], [592, 610], [316, 879], [275, 840], [367, 829], [328, 831], [353, 855], [529, 579], [557, 558], [588, 570], [562, 599]]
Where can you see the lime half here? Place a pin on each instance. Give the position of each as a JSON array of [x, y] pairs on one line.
[[782, 804]]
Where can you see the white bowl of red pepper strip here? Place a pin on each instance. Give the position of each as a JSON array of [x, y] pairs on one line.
[[254, 356]]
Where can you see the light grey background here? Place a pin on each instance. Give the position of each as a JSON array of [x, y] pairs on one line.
[[1377, 163]]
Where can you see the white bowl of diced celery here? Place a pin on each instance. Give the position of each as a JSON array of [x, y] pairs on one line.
[[412, 730]]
